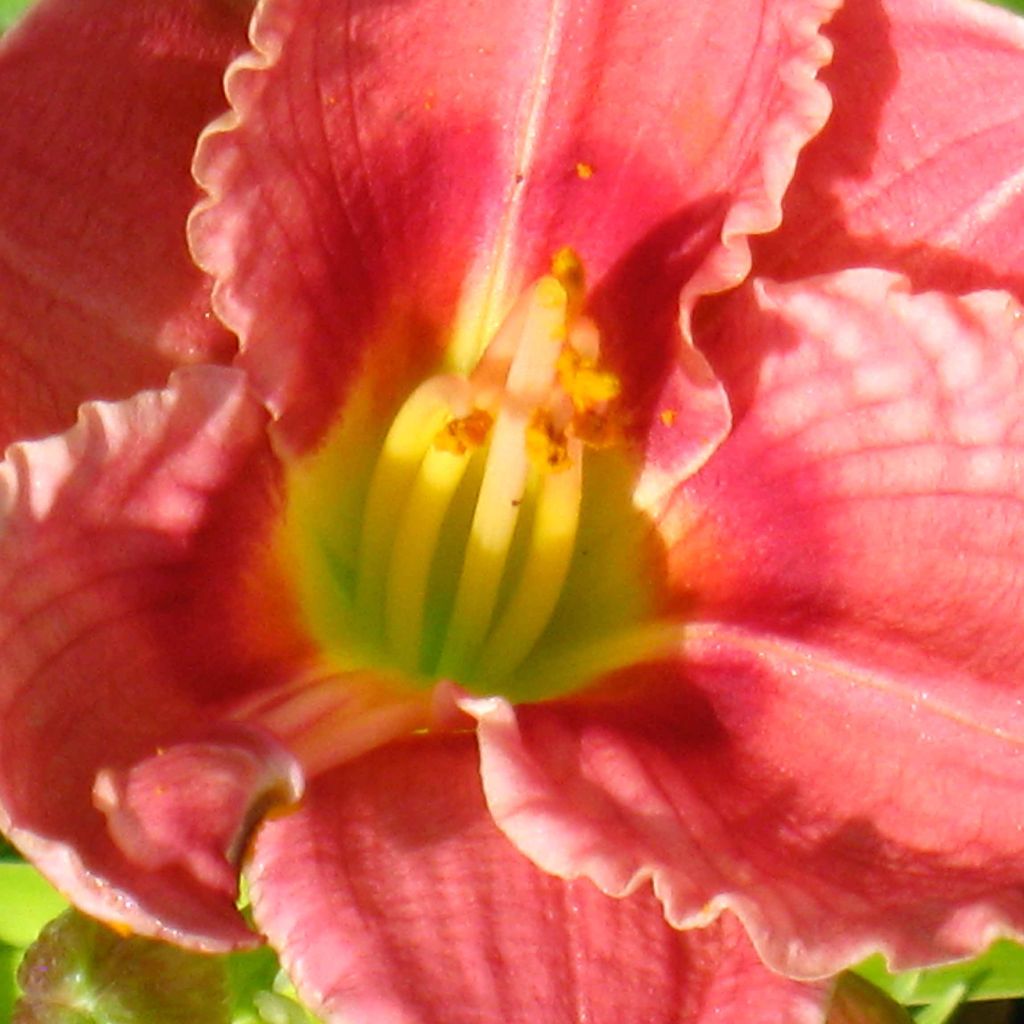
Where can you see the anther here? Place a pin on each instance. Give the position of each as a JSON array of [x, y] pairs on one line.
[[464, 434], [546, 444]]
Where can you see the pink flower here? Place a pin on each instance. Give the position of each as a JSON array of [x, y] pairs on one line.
[[548, 461]]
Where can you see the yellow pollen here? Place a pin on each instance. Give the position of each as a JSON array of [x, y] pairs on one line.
[[551, 292], [595, 429], [584, 171], [567, 269], [668, 416], [593, 387], [587, 387], [464, 433], [546, 445]]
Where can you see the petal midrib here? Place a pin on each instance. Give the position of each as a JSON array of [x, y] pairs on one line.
[[494, 265], [805, 656]]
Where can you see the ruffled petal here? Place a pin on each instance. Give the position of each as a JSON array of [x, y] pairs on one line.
[[103, 101], [919, 167], [393, 899], [393, 177], [807, 795], [124, 551], [870, 497], [836, 750], [194, 804]]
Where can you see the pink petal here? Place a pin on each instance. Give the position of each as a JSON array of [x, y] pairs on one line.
[[836, 812], [919, 168], [194, 804], [393, 898], [123, 561], [102, 104], [871, 495], [836, 752], [396, 173]]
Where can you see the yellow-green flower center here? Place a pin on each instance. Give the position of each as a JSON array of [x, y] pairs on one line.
[[484, 535]]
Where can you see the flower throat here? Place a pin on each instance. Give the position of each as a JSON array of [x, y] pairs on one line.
[[451, 558]]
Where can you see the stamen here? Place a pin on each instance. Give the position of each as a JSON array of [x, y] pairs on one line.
[[451, 581], [410, 437], [552, 540], [466, 433], [595, 428], [425, 510], [530, 379], [546, 444], [464, 565], [586, 385], [567, 269]]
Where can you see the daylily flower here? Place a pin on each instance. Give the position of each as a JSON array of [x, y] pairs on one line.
[[564, 528]]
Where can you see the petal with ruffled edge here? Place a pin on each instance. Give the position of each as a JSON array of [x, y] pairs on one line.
[[394, 911], [124, 550], [837, 751], [871, 494], [392, 177], [103, 101], [919, 168]]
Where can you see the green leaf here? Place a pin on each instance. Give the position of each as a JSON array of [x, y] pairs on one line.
[[10, 10], [261, 992], [27, 902], [249, 974], [81, 972], [942, 1010], [996, 974], [857, 1001]]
